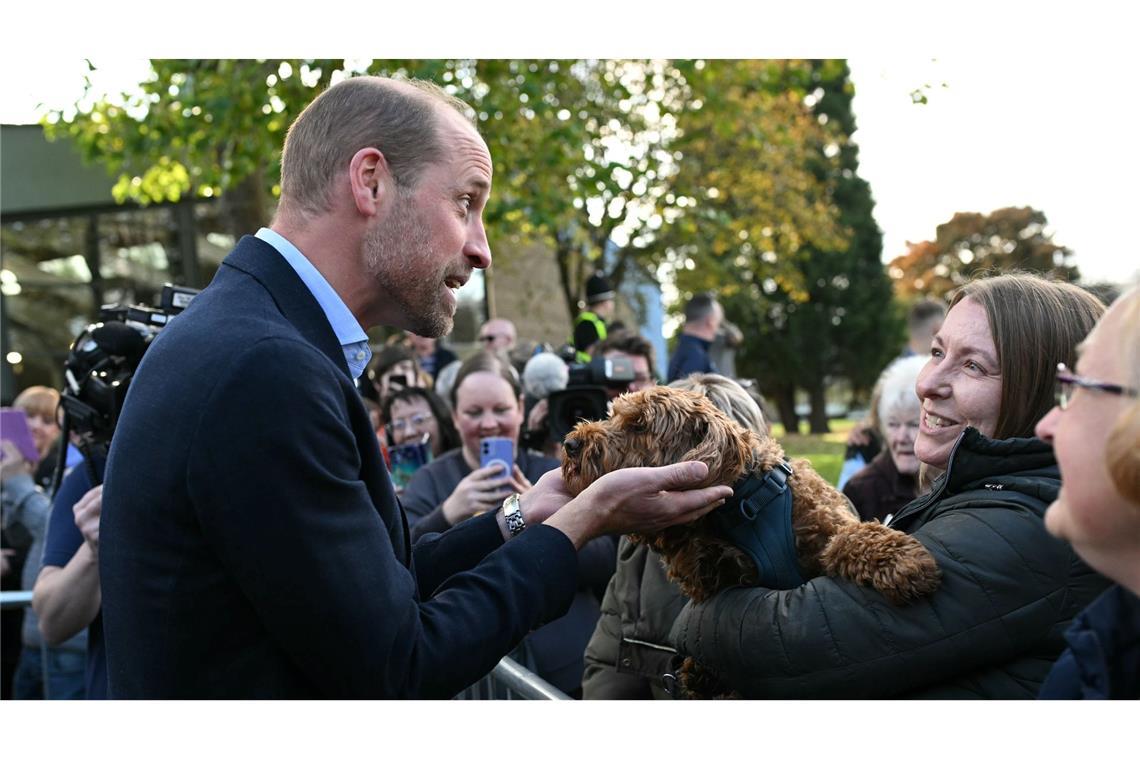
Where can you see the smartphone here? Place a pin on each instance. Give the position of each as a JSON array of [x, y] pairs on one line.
[[405, 459], [14, 428], [500, 451]]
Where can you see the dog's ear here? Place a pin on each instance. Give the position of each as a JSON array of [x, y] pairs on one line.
[[726, 447], [629, 410]]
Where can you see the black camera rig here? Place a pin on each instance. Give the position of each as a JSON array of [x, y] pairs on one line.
[[100, 365]]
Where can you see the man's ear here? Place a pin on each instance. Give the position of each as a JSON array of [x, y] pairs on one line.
[[371, 180]]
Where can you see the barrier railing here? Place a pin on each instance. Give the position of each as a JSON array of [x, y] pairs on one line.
[[12, 599], [509, 680]]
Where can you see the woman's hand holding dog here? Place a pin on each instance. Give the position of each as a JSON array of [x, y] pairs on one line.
[[633, 500]]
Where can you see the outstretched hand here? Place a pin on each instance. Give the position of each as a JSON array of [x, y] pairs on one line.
[[633, 500]]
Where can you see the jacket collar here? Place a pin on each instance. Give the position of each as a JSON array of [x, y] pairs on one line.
[[261, 261], [1018, 465]]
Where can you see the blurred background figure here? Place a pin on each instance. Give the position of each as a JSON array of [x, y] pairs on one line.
[[393, 368], [722, 352], [864, 442], [430, 354], [41, 406], [703, 317], [922, 321], [1095, 432], [629, 345], [592, 323], [418, 428], [48, 667], [544, 374], [889, 481], [411, 413], [498, 335]]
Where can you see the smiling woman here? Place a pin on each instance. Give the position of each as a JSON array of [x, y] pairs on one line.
[[993, 627]]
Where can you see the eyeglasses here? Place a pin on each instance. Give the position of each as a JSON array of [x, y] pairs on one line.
[[1066, 380], [416, 421], [491, 338]]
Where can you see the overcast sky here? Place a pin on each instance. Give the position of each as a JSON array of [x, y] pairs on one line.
[[1014, 131]]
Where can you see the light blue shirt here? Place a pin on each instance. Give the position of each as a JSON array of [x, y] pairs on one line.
[[353, 340]]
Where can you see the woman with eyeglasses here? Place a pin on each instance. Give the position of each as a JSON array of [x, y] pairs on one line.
[[1095, 432], [413, 413], [1008, 589]]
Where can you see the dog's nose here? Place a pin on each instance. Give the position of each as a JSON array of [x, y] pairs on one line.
[[572, 446]]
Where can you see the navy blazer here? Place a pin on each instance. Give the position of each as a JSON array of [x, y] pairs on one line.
[[251, 542]]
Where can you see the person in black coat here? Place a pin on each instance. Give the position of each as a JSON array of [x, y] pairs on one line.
[[1008, 589], [251, 542], [1095, 430]]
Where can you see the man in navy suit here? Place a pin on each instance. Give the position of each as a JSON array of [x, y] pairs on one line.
[[251, 541]]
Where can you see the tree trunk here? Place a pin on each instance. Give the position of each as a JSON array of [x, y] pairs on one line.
[[785, 399], [244, 207], [818, 418]]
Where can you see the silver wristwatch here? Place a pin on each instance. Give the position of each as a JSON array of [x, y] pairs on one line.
[[512, 514]]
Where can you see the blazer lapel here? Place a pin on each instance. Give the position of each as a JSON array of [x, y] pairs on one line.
[[261, 261]]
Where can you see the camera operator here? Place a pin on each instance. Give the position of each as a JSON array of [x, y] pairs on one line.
[[67, 597], [622, 363], [625, 344]]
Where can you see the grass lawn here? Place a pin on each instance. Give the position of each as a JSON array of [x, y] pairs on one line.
[[825, 452]]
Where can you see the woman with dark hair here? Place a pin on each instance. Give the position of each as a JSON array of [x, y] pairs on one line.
[[393, 368], [411, 413], [1008, 589]]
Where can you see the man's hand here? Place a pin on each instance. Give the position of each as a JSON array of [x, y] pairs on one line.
[[634, 500], [87, 511]]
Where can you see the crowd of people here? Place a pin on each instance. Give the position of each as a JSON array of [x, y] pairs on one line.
[[289, 511]]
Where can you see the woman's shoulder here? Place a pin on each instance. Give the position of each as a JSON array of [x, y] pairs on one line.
[[534, 462]]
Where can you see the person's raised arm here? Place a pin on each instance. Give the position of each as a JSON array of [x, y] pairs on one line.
[[66, 599]]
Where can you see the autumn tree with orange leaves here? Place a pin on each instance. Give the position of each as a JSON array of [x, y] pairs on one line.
[[971, 243]]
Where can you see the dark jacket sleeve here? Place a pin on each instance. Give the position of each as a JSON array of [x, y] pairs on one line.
[[281, 503], [423, 499], [585, 335], [861, 490], [1004, 584]]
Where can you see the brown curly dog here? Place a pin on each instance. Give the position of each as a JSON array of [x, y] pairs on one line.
[[662, 425]]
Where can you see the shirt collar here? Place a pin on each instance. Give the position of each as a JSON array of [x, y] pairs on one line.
[[348, 331]]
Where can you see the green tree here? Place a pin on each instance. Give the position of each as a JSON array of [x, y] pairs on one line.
[[578, 145], [789, 245], [970, 243]]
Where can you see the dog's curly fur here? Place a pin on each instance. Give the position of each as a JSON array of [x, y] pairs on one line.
[[662, 425]]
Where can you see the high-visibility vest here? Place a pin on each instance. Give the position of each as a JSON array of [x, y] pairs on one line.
[[600, 326]]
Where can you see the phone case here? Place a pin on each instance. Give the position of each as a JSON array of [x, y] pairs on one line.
[[499, 451], [14, 427]]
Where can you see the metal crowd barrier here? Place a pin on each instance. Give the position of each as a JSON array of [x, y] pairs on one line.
[[509, 679], [10, 600]]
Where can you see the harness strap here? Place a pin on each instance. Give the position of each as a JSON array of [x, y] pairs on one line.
[[758, 520]]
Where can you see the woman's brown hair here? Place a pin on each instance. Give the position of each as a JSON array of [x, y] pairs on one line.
[[1035, 323]]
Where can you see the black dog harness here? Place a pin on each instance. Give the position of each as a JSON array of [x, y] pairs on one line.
[[757, 518]]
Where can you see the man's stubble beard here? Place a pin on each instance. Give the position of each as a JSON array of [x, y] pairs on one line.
[[391, 254]]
